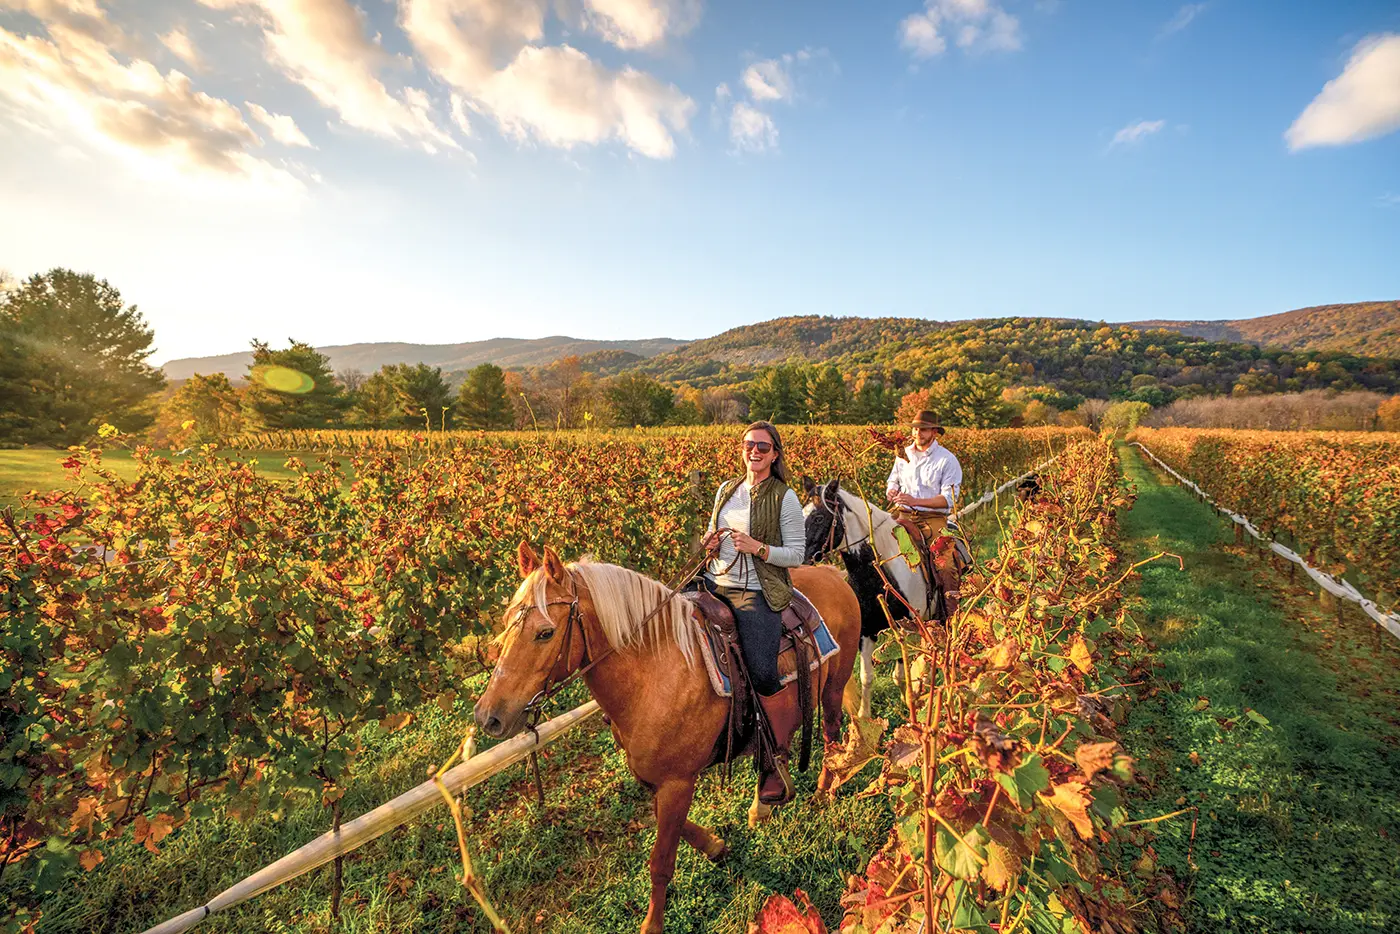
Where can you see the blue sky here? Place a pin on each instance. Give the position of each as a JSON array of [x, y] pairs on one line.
[[452, 170]]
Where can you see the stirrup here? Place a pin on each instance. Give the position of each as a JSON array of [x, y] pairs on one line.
[[779, 769]]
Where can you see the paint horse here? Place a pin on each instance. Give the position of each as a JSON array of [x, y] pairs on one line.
[[864, 534], [649, 679]]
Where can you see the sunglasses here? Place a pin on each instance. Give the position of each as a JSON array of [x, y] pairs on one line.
[[762, 447]]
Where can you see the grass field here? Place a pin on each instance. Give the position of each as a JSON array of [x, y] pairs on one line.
[[1299, 818], [39, 469], [577, 865]]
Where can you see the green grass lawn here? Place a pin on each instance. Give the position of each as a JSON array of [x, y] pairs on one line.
[[577, 865], [38, 469], [1299, 821]]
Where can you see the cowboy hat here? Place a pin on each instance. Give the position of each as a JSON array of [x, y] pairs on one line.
[[926, 419]]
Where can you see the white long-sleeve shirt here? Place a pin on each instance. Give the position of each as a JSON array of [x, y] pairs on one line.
[[735, 515], [935, 472]]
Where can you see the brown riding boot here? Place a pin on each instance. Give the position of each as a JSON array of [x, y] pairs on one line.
[[784, 716]]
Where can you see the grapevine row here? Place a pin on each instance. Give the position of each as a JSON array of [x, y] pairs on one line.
[[204, 635], [1334, 497], [1016, 703]]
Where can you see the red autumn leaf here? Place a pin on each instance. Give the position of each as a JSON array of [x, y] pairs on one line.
[[780, 916]]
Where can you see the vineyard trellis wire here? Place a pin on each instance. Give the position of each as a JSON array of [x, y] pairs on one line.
[[1338, 587], [405, 807]]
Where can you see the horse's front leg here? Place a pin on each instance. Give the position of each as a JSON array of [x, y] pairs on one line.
[[867, 674], [672, 805]]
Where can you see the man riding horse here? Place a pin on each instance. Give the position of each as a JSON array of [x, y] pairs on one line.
[[923, 486]]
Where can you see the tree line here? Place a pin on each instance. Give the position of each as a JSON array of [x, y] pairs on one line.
[[73, 356]]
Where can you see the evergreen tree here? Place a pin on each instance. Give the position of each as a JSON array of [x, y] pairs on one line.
[[292, 388], [971, 400], [484, 401], [73, 358], [210, 402], [828, 399], [424, 397], [376, 402], [780, 395], [873, 404], [637, 399]]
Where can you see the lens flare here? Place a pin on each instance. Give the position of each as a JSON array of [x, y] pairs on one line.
[[284, 379]]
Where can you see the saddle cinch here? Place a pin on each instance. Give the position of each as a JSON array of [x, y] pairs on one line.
[[805, 644]]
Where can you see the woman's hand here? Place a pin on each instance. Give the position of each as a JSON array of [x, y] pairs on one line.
[[711, 543], [746, 544]]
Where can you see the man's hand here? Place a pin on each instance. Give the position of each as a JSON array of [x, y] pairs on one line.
[[902, 499]]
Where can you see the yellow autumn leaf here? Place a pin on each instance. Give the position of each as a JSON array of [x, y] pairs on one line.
[[1003, 866], [1095, 757], [395, 721], [90, 859], [1004, 654], [1072, 801], [1079, 654]]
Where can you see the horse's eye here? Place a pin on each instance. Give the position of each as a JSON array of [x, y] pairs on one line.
[[544, 635]]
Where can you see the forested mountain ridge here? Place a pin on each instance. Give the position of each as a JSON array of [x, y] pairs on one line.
[[368, 357], [1371, 328], [1076, 358]]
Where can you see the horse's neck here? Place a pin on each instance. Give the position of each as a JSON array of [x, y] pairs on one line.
[[909, 581], [630, 685]]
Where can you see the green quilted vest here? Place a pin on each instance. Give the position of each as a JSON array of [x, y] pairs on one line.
[[765, 524]]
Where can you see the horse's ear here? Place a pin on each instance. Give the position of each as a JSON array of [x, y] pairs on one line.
[[526, 558], [829, 491], [553, 566], [809, 486]]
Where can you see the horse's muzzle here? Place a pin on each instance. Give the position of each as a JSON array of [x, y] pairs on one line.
[[495, 723]]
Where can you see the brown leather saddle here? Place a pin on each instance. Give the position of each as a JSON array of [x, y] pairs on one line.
[[940, 564], [797, 648]]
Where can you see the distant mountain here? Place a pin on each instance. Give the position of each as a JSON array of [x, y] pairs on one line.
[[502, 351], [1064, 357], [1366, 328]]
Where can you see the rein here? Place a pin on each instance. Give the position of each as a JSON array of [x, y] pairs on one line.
[[535, 708]]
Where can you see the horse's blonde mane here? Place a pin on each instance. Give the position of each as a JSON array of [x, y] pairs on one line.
[[623, 598]]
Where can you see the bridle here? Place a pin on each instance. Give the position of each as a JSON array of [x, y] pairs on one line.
[[836, 531], [552, 684]]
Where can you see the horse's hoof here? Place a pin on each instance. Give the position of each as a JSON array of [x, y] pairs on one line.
[[759, 812], [720, 856]]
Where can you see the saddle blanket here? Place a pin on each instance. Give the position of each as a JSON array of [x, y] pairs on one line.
[[787, 665]]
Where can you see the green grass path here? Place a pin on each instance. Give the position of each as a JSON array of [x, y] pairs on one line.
[[1299, 821]]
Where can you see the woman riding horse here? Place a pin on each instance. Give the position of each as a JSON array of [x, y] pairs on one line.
[[749, 570]]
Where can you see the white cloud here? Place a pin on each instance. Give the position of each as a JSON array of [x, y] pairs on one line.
[[636, 24], [1361, 103], [322, 45], [1137, 132], [71, 83], [179, 43], [283, 128], [487, 51], [1390, 200], [752, 130], [978, 26], [769, 80], [1182, 19]]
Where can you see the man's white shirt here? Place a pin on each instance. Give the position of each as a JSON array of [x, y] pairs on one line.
[[935, 472]]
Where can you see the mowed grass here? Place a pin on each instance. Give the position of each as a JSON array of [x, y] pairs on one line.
[[1298, 826], [38, 469], [577, 865]]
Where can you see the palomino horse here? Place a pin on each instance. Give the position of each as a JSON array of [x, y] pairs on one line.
[[648, 677], [838, 520]]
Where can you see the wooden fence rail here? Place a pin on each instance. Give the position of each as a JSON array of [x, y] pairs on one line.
[[410, 804]]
